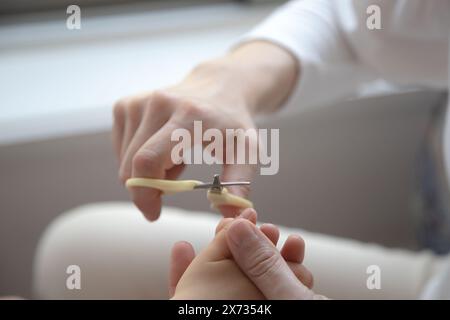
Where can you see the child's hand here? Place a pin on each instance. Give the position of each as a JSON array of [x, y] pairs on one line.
[[213, 274]]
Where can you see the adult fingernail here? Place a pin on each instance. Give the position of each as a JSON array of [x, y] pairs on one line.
[[241, 231]]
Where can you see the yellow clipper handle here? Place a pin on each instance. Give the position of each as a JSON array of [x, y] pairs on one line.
[[175, 186], [166, 186], [226, 198]]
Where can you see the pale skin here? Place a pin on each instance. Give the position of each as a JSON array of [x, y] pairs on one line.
[[214, 274], [224, 93]]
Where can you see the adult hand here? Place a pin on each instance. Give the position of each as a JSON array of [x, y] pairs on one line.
[[264, 265], [223, 94], [223, 279]]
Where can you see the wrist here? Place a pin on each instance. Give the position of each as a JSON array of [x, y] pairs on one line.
[[258, 76], [222, 82], [268, 73]]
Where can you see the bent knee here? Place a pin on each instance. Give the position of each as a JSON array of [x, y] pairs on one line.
[[116, 251]]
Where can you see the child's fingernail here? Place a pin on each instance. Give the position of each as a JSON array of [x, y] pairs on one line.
[[246, 214]]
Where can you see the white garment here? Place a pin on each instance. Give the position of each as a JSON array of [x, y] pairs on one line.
[[122, 256], [338, 53]]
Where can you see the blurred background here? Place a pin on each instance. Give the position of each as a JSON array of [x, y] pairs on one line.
[[346, 169]]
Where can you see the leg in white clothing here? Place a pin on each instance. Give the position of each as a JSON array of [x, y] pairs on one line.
[[121, 255]]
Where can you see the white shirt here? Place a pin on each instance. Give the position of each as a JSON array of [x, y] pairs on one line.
[[338, 53]]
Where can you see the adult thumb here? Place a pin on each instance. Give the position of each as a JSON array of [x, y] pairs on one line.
[[261, 261]]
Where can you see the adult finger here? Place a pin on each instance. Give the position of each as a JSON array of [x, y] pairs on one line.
[[132, 120], [118, 127], [156, 114], [260, 260], [152, 160]]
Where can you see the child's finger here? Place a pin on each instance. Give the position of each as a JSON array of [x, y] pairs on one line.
[[229, 211], [302, 273], [249, 214], [218, 248], [293, 249], [181, 257], [271, 232], [268, 271], [222, 224]]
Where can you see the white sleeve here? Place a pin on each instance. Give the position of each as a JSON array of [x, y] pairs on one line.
[[338, 53], [310, 31]]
